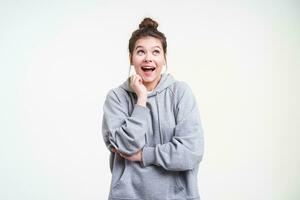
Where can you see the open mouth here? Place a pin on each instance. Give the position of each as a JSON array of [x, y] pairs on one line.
[[145, 69]]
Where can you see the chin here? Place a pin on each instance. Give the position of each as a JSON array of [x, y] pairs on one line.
[[148, 80]]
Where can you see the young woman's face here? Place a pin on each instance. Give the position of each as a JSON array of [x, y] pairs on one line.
[[148, 59]]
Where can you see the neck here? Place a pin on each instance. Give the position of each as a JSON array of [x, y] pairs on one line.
[[151, 85]]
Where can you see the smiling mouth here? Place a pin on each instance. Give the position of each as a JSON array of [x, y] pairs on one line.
[[148, 69]]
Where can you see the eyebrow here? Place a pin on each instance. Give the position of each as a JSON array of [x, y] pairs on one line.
[[152, 47]]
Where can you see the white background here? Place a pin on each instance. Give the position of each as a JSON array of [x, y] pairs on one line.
[[58, 59]]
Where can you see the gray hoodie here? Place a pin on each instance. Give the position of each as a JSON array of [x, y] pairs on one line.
[[169, 132]]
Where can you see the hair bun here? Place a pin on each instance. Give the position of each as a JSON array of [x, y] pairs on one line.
[[148, 23]]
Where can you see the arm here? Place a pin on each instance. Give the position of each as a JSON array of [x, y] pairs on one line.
[[122, 130], [185, 150]]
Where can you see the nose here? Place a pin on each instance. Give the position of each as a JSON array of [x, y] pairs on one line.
[[147, 58]]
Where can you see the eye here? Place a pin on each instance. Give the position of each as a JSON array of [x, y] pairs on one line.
[[156, 52], [140, 52]]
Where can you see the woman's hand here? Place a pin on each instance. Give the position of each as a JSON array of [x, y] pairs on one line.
[[135, 157], [136, 83]]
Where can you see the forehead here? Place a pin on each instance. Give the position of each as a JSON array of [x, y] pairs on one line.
[[148, 42]]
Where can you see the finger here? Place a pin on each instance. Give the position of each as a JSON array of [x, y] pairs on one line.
[[132, 78], [123, 156], [139, 80], [135, 79], [138, 77]]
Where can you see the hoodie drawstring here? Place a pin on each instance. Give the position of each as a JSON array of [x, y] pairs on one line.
[[159, 126]]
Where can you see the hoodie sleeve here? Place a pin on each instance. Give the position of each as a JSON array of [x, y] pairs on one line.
[[185, 150], [120, 129]]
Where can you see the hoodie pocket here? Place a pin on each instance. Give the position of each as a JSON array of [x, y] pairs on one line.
[[122, 187], [187, 180], [179, 185], [177, 189], [121, 175]]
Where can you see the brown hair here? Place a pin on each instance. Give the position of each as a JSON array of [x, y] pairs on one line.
[[148, 27]]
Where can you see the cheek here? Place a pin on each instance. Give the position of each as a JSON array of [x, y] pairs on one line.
[[136, 60], [160, 62]]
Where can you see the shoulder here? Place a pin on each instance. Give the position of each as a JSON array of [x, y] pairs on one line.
[[118, 94], [181, 88], [181, 85]]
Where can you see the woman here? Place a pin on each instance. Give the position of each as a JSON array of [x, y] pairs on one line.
[[152, 128]]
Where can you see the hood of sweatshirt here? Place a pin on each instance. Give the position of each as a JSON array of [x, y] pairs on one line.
[[165, 81]]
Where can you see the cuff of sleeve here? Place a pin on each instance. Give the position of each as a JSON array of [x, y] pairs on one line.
[[148, 156], [140, 112]]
